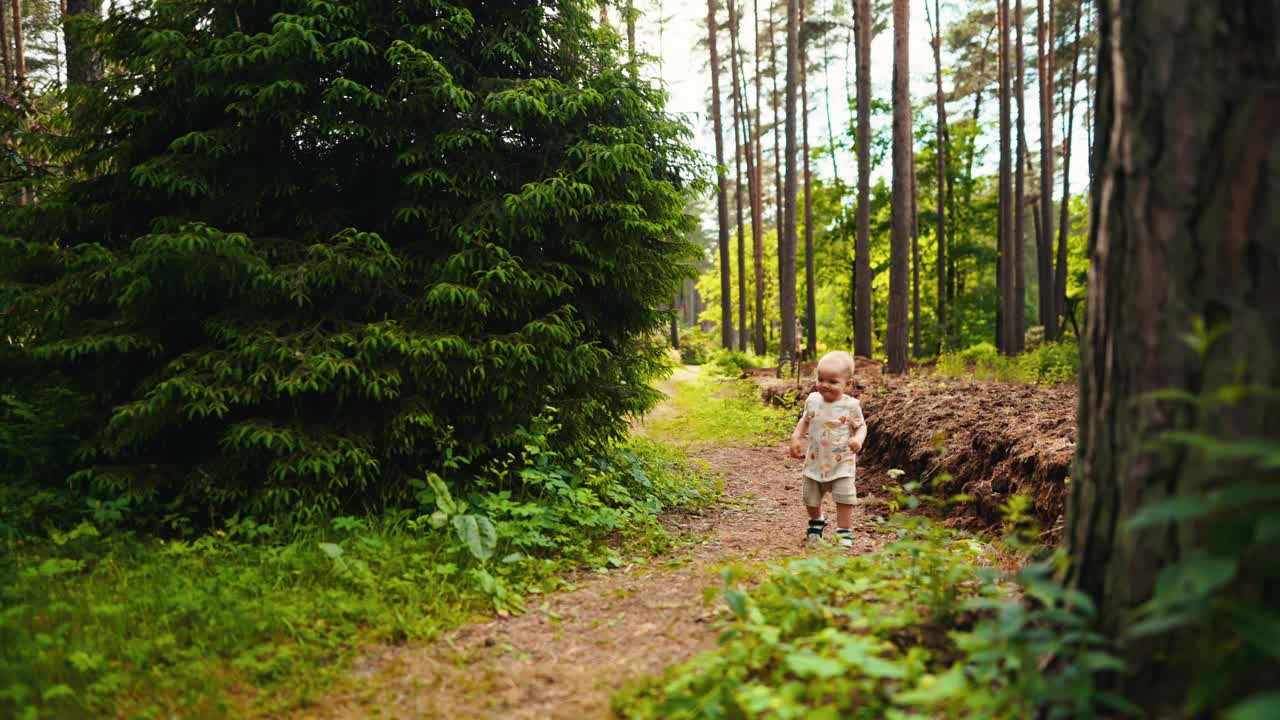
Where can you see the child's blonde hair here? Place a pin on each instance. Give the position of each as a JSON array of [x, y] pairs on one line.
[[838, 361]]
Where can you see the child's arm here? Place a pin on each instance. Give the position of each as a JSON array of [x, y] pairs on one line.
[[797, 437], [857, 438]]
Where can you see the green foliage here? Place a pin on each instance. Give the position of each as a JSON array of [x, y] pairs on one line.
[[98, 623], [921, 628], [696, 347], [1046, 363], [1221, 595], [731, 363], [307, 251]]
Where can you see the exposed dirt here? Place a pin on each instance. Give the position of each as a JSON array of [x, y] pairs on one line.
[[565, 657], [994, 439]]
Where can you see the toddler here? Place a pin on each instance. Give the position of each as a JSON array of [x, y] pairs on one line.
[[833, 421]]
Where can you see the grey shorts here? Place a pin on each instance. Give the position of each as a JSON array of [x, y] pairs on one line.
[[842, 491]]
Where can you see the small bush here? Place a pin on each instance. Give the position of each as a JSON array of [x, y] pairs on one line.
[[696, 347], [1047, 363], [731, 363], [1051, 362]]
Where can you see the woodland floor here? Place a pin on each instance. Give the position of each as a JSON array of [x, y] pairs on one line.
[[566, 656]]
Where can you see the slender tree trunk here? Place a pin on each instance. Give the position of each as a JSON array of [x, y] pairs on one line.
[[916, 349], [751, 152], [7, 77], [757, 199], [810, 308], [738, 153], [630, 11], [1185, 230], [862, 340], [604, 13], [775, 103], [936, 41], [722, 196], [787, 242], [1064, 217], [900, 233], [1044, 251], [1004, 230], [1018, 326], [19, 52]]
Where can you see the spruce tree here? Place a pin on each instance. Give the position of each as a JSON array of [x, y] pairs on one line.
[[315, 249]]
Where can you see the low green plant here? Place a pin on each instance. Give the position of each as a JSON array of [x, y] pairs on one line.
[[922, 628], [731, 363], [696, 347], [1046, 363], [96, 621]]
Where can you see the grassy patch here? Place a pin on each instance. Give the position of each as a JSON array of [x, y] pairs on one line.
[[251, 619], [1048, 363], [711, 410]]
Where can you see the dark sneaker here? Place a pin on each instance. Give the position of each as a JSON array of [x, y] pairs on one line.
[[814, 533], [844, 536]]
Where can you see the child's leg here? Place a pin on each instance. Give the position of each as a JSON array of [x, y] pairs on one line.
[[815, 513], [844, 515], [811, 493]]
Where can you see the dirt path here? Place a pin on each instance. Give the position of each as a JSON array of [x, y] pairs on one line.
[[563, 659]]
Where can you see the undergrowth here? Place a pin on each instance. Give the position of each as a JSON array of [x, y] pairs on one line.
[[711, 410], [1048, 363], [101, 621], [924, 628]]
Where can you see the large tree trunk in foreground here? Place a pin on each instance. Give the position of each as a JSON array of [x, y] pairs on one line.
[[1186, 225], [900, 233], [722, 196], [862, 340], [787, 239]]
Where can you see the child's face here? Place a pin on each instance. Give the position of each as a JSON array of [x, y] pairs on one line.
[[832, 384]]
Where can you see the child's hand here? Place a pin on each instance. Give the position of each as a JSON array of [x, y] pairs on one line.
[[797, 448], [854, 445]]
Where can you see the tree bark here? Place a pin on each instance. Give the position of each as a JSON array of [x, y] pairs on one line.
[[810, 308], [900, 232], [7, 76], [1044, 251], [757, 200], [1018, 326], [940, 100], [863, 342], [775, 104], [19, 52], [915, 265], [1064, 217], [787, 240], [1185, 228], [630, 12], [738, 153], [722, 197], [1004, 224]]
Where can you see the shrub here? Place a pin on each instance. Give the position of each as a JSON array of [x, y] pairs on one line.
[[731, 363], [1056, 362], [308, 251], [695, 347]]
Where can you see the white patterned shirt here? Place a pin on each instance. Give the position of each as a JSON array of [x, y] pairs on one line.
[[830, 425]]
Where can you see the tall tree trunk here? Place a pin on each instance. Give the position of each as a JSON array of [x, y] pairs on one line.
[[19, 52], [862, 341], [7, 77], [1185, 229], [1064, 216], [940, 100], [916, 350], [757, 199], [1004, 231], [900, 233], [810, 308], [739, 151], [1044, 251], [787, 241], [629, 10], [722, 196], [1019, 323], [775, 104]]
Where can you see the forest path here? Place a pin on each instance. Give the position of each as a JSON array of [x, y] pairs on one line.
[[566, 656]]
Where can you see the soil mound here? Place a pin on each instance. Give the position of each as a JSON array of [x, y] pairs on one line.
[[994, 440]]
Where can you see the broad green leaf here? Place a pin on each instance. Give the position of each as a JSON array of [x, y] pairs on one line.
[[444, 500], [1262, 706], [737, 602], [805, 663], [478, 533]]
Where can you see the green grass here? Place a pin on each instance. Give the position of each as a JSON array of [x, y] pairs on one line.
[[250, 619], [712, 410], [1046, 364]]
